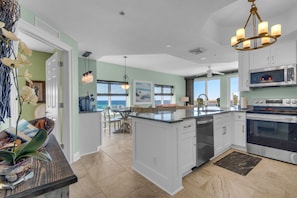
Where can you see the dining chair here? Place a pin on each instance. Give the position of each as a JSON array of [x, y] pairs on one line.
[[110, 118]]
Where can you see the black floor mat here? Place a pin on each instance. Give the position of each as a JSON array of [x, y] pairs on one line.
[[238, 162]]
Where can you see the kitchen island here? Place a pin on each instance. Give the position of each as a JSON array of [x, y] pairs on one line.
[[164, 145], [159, 149]]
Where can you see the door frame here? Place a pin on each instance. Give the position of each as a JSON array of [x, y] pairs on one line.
[[46, 38]]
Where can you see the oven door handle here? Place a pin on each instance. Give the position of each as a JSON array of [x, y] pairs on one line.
[[272, 118]]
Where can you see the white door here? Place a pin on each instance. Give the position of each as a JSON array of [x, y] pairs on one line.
[[52, 93]]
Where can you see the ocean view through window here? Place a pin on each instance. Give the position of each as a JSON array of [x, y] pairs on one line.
[[110, 94]]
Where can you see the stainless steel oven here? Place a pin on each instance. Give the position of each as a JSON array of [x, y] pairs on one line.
[[272, 129]]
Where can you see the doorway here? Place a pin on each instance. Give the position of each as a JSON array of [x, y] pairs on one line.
[[65, 128]]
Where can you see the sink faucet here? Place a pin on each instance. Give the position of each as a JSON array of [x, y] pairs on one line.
[[205, 101]]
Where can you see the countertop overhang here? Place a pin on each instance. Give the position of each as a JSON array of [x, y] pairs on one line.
[[181, 114]]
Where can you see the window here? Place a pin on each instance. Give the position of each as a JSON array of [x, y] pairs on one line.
[[234, 92], [209, 87], [110, 93], [163, 94]]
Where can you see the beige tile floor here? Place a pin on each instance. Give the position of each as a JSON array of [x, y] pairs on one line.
[[108, 174]]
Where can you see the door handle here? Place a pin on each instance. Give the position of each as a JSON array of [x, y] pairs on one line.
[[205, 121]]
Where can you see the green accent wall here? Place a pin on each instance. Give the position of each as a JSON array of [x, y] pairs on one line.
[[107, 71], [27, 15], [83, 66], [37, 69]]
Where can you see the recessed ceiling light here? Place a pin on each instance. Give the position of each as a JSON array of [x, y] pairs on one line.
[[168, 45], [203, 58]]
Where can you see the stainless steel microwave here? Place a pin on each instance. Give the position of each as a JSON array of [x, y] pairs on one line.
[[284, 75]]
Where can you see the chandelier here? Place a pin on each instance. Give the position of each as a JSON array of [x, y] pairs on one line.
[[87, 77], [259, 39], [125, 84]]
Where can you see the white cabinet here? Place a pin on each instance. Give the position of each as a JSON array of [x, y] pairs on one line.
[[274, 55], [188, 146], [89, 132], [222, 133], [243, 71], [239, 129]]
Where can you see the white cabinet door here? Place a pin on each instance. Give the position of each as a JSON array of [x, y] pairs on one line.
[[222, 133], [218, 140], [260, 58], [243, 71], [239, 134], [239, 129], [227, 137], [274, 55], [188, 150], [188, 146], [284, 54]]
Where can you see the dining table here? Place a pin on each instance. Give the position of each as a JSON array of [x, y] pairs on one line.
[[124, 112]]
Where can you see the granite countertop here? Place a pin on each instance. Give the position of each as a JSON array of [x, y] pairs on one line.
[[181, 114]]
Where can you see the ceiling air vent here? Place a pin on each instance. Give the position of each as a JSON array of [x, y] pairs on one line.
[[197, 51]]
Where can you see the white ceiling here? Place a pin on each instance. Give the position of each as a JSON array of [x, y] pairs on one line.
[[147, 27]]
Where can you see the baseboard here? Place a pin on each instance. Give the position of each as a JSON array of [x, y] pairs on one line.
[[76, 156], [238, 147], [98, 148]]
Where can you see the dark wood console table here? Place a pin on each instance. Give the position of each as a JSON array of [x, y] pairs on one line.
[[49, 178]]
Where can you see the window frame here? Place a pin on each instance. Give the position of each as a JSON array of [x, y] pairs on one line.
[[206, 85], [163, 94], [109, 94], [230, 103]]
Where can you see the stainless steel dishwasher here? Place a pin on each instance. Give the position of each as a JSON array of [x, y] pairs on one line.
[[205, 142]]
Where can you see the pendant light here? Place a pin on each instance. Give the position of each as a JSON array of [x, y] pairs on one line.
[[87, 77], [125, 84]]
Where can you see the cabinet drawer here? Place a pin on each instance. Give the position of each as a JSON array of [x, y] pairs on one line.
[[240, 116], [189, 125], [222, 118], [226, 125]]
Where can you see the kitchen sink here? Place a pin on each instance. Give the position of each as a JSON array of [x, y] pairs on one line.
[[209, 110]]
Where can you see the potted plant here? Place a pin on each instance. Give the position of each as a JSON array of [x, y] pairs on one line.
[[30, 149], [218, 102], [16, 160]]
